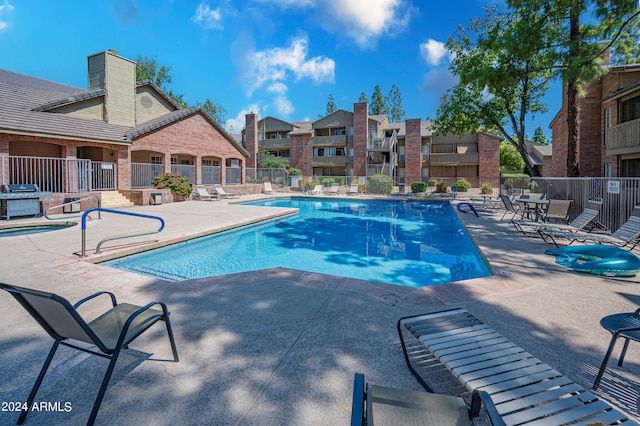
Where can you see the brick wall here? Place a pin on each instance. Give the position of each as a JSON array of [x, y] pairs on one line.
[[302, 153], [412, 152], [360, 136], [488, 155], [590, 132], [193, 135], [251, 142]]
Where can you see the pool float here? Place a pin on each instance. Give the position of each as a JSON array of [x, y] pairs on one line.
[[608, 261]]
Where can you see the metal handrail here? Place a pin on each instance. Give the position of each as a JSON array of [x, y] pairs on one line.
[[84, 227], [46, 212]]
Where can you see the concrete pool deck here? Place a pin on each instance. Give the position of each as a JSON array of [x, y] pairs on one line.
[[280, 346]]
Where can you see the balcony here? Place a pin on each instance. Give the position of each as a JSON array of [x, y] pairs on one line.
[[454, 159], [335, 161], [275, 143], [623, 138], [336, 140]]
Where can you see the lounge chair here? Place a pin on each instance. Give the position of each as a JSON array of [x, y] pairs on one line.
[[109, 333], [202, 194], [267, 189], [333, 189], [510, 207], [317, 190], [222, 193], [353, 190], [584, 221], [625, 325], [523, 389], [392, 406], [627, 236]]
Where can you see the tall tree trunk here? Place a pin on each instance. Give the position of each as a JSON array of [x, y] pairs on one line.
[[573, 167]]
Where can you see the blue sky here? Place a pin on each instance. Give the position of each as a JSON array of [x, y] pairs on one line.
[[277, 58]]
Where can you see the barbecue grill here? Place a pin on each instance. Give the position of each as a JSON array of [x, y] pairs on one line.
[[21, 200]]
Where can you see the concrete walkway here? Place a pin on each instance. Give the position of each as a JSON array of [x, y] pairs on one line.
[[280, 346]]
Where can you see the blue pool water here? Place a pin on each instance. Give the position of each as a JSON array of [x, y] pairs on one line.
[[413, 244]]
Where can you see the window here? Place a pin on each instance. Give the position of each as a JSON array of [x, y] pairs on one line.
[[174, 160], [206, 163], [340, 132], [608, 170], [607, 117], [156, 159]]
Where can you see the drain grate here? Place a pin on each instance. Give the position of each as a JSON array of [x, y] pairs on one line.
[[307, 274], [390, 299]]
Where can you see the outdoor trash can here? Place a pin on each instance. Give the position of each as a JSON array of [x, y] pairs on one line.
[[156, 198]]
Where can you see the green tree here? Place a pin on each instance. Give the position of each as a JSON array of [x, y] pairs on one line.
[[270, 161], [378, 104], [539, 136], [500, 79], [578, 33], [331, 106], [363, 97], [394, 105], [215, 111], [147, 68], [510, 158]]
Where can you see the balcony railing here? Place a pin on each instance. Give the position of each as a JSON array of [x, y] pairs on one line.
[[454, 159], [275, 143], [335, 161], [623, 138], [335, 140]]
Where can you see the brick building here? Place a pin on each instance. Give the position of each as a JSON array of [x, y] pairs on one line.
[[358, 144], [609, 133], [110, 139]]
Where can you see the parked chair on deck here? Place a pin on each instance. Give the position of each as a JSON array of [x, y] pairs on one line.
[[267, 189], [627, 236], [625, 325], [557, 210], [317, 190], [333, 189], [587, 220], [510, 207], [222, 193], [391, 406], [109, 333], [203, 194], [353, 189]]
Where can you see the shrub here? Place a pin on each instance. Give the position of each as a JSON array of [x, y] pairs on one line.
[[441, 187], [292, 171], [380, 184], [327, 182], [417, 187], [432, 182], [177, 184], [279, 181], [516, 180], [460, 186], [486, 189]]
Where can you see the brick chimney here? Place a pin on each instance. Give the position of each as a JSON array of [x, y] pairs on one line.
[[251, 141]]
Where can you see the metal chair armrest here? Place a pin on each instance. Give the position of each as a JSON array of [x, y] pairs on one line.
[[122, 340], [481, 397], [114, 302]]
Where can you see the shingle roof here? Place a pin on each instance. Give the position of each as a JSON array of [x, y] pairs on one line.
[[24, 102], [20, 95]]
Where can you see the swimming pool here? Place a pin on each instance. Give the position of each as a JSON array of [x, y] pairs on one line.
[[413, 244]]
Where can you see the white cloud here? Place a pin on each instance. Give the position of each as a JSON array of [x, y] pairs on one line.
[[277, 64], [6, 10], [363, 21], [278, 88], [235, 125], [284, 107], [432, 51], [209, 19]]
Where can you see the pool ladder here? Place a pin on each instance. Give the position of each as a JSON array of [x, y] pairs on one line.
[[100, 209]]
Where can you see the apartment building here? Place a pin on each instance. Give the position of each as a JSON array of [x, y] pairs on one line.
[[114, 136], [355, 143], [609, 135]]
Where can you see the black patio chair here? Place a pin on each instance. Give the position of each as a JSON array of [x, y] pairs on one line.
[[625, 325], [110, 332], [391, 406]]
